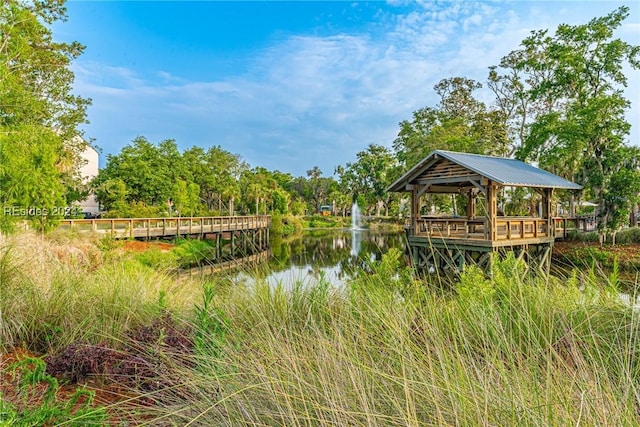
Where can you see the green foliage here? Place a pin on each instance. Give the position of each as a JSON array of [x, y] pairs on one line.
[[52, 294], [192, 252], [145, 169], [38, 165], [521, 202], [112, 193], [629, 236], [159, 260], [136, 210], [459, 123], [474, 285], [280, 201], [626, 236], [77, 410], [298, 207], [211, 326], [217, 172], [29, 176], [185, 197], [622, 190], [387, 276], [319, 221], [263, 191], [570, 82], [292, 224], [558, 101], [277, 226], [159, 175], [369, 176]]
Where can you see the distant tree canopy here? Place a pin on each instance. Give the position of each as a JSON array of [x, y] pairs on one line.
[[39, 115], [146, 179], [164, 180]]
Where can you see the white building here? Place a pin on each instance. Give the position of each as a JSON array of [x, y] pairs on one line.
[[88, 171]]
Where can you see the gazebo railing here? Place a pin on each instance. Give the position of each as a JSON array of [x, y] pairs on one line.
[[507, 228]]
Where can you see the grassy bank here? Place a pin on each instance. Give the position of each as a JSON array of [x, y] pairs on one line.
[[386, 350]]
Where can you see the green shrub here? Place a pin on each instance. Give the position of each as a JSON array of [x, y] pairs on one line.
[[136, 210], [628, 236], [319, 221], [474, 285], [192, 252], [158, 259], [277, 226], [625, 236]]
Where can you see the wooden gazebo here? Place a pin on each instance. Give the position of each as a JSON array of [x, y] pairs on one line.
[[442, 242]]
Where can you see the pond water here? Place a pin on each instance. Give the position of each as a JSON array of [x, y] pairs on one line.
[[332, 254], [335, 255]]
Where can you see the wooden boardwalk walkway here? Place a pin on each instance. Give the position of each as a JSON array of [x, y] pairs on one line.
[[158, 228]]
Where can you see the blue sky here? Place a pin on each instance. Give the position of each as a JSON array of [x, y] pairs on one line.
[[292, 85]]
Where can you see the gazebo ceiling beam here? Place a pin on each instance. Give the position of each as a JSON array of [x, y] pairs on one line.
[[430, 162], [444, 189], [423, 190], [447, 180], [478, 186]]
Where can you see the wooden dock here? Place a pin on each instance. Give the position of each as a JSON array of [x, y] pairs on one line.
[[164, 228], [232, 236]]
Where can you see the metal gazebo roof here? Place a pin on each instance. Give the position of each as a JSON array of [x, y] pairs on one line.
[[504, 171]]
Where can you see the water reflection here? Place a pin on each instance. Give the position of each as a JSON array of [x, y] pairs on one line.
[[336, 255], [328, 255], [356, 241]]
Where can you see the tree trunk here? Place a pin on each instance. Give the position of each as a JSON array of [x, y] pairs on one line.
[[572, 205], [231, 202]]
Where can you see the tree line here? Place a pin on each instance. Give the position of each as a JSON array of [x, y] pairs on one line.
[[557, 101], [147, 179]]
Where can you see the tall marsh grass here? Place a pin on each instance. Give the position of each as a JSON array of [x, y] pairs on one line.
[[513, 350], [56, 291], [385, 350]]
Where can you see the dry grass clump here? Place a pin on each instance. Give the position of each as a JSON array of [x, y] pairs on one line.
[[39, 258], [56, 290]]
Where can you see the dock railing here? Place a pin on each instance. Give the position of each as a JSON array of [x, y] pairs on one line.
[[165, 227]]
